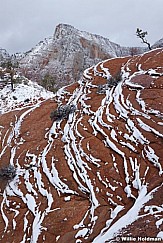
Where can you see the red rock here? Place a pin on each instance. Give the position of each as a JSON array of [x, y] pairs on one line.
[[82, 177]]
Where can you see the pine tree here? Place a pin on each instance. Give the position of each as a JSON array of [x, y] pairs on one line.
[[142, 34], [10, 65]]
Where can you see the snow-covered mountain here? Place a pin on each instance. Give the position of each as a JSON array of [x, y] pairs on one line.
[[4, 55], [158, 44], [93, 172], [68, 53]]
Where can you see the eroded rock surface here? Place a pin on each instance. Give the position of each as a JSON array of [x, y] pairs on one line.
[[96, 175]]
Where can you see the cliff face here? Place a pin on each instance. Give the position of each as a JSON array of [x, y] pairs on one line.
[[92, 174], [3, 55], [158, 44], [68, 53]]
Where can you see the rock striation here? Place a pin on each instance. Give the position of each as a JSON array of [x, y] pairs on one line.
[[95, 175]]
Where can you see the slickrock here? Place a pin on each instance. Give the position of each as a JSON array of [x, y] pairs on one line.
[[95, 175]]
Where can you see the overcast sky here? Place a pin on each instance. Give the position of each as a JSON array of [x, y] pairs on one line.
[[23, 23]]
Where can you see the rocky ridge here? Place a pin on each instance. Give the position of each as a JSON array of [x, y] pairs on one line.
[[3, 55], [68, 53], [158, 44], [94, 175]]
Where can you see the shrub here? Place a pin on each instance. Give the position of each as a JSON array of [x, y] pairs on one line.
[[134, 51], [101, 89], [114, 80], [49, 83], [8, 172], [62, 112]]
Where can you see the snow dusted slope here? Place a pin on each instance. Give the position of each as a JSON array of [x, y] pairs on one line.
[[24, 93], [96, 175], [4, 55], [158, 44]]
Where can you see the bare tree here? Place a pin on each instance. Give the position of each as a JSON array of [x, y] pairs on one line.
[[142, 34], [134, 51]]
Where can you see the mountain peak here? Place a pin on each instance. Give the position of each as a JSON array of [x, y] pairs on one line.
[[65, 30], [62, 29], [68, 53]]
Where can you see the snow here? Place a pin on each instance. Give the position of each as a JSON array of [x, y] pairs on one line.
[[150, 154], [57, 237], [42, 175], [31, 204], [127, 219], [81, 233], [159, 222], [24, 94], [160, 234]]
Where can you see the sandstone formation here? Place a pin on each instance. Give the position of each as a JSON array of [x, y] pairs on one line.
[[97, 174], [68, 53]]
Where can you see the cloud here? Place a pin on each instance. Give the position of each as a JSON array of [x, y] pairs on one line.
[[25, 23]]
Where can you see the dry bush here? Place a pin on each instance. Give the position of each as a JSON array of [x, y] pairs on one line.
[[8, 172], [62, 112]]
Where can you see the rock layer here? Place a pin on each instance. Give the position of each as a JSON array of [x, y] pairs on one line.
[[97, 175]]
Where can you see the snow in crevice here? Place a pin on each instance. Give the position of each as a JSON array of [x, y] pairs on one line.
[[121, 127]]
